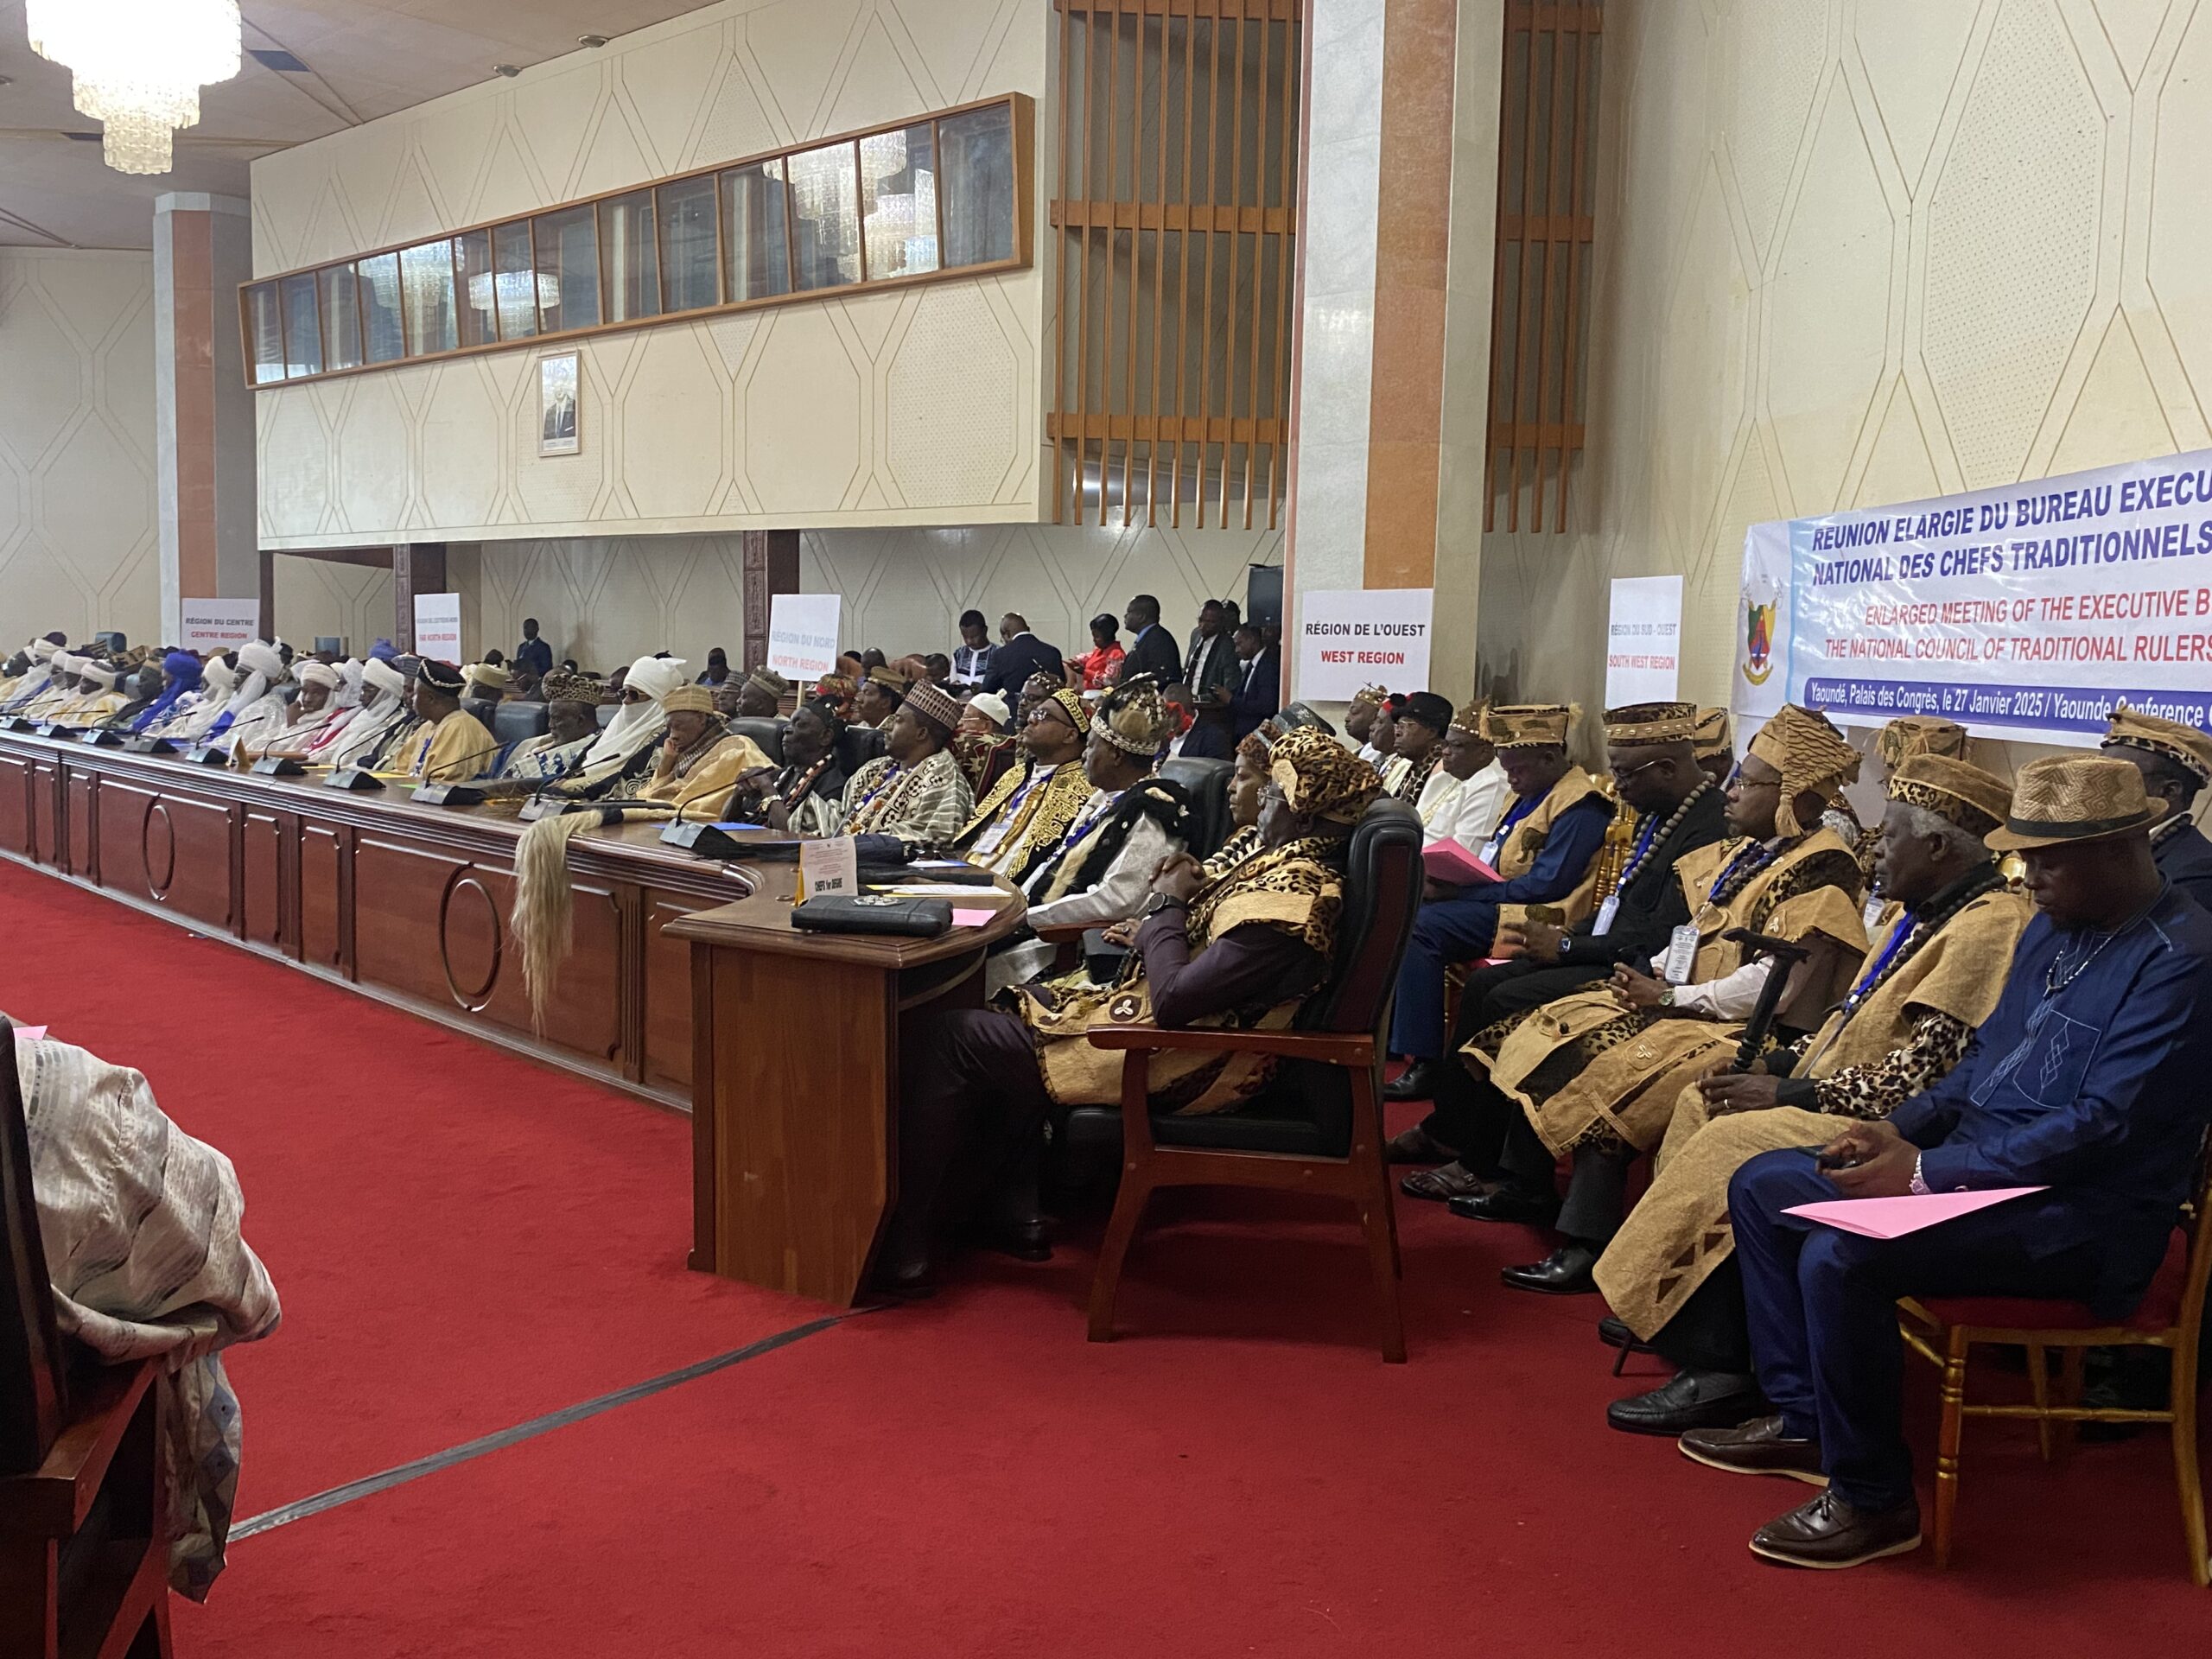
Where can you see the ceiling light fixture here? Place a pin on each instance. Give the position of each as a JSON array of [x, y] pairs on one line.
[[138, 66], [506, 71], [591, 40]]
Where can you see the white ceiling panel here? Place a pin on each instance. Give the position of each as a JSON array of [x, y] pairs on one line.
[[366, 59]]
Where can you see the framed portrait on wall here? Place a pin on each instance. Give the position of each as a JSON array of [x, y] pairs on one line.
[[558, 400]]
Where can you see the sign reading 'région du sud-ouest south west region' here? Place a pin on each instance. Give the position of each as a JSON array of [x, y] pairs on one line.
[[1352, 637], [2029, 610]]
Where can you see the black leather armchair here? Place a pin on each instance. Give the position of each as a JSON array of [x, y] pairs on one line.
[[1206, 782], [1318, 1126], [768, 734]]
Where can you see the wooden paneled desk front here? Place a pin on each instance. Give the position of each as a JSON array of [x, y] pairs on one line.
[[795, 1080]]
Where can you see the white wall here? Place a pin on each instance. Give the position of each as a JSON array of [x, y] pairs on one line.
[[914, 406], [78, 549], [1861, 251]]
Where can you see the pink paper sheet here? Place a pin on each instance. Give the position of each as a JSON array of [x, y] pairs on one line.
[[1895, 1217], [972, 917], [30, 1033]]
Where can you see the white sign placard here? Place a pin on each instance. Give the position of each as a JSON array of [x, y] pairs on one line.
[[438, 627], [827, 866], [221, 624], [803, 634], [1644, 640], [1349, 638]]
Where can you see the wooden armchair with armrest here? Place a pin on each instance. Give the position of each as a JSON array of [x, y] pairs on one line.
[[1318, 1127], [83, 1551]]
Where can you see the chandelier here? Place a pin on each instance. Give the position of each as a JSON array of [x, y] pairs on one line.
[[139, 66]]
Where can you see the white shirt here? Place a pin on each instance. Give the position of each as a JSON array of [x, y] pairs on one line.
[[1197, 674], [1116, 895], [1465, 810], [1733, 996]]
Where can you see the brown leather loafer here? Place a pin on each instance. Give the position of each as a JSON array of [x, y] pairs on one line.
[[1827, 1533], [1759, 1448]]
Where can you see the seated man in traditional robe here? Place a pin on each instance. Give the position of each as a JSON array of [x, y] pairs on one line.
[[1015, 826], [880, 691], [141, 1229], [1597, 1072], [626, 749], [2175, 761], [1468, 790], [32, 677], [97, 696], [1544, 846], [1359, 723], [917, 790], [60, 688], [1101, 868], [2087, 1083], [1421, 725], [256, 706], [571, 725], [1243, 948], [143, 688], [193, 718], [806, 796], [701, 760], [1944, 944], [382, 714], [306, 718], [453, 745], [983, 744], [759, 695]]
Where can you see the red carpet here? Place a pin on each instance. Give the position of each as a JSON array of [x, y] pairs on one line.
[[465, 1240]]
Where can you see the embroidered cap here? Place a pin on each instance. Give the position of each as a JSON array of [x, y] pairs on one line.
[[1636, 725], [930, 702], [1977, 801], [2185, 745], [1133, 718], [1714, 739], [1530, 725], [694, 699], [1910, 735], [2064, 797], [1320, 777]]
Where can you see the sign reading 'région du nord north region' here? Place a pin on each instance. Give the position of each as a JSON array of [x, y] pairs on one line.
[[2028, 610], [1352, 637]]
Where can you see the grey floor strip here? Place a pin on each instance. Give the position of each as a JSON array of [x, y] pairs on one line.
[[271, 1520]]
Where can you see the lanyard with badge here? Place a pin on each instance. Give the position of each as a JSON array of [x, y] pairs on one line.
[[1495, 844], [1612, 907], [1682, 943]]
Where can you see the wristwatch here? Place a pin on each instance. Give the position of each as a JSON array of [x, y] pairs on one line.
[[1920, 1188], [1667, 996]]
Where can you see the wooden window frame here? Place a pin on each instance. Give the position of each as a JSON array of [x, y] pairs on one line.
[[1023, 113]]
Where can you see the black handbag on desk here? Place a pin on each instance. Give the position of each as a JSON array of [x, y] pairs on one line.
[[923, 918]]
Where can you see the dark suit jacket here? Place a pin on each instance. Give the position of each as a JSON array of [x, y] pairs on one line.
[[1013, 663], [535, 655], [1256, 693], [1154, 652], [1219, 673], [2185, 859], [1652, 906]]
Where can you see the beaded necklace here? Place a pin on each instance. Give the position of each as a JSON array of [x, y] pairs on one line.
[[801, 785], [1648, 840], [2061, 974], [1750, 858]]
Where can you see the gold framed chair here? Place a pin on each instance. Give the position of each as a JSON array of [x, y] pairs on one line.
[[1943, 1331]]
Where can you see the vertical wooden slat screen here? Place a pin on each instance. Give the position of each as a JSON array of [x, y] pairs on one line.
[[1548, 120], [1176, 211]]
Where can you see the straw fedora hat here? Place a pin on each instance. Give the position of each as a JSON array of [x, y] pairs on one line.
[[2064, 798]]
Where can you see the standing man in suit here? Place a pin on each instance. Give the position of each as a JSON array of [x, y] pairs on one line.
[[533, 653], [1258, 690], [1020, 655], [1152, 648], [1211, 672], [2087, 1083]]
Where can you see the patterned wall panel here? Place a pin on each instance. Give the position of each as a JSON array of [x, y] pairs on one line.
[[912, 408], [80, 545], [1895, 249]]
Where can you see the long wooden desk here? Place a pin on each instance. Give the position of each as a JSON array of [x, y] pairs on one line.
[[405, 904], [795, 1115]]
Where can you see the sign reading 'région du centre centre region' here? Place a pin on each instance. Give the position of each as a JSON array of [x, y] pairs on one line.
[[2027, 611], [1351, 638]]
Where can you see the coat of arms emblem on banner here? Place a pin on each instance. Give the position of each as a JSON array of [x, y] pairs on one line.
[[1759, 604]]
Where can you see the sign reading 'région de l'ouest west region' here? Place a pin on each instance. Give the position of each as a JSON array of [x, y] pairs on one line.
[[1351, 638], [2025, 611]]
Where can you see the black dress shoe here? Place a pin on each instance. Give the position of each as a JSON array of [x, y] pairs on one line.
[[1509, 1203], [1690, 1399], [1564, 1272], [1416, 1082], [1615, 1334]]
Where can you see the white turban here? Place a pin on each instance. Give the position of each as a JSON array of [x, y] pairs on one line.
[[265, 660], [66, 666], [383, 677], [656, 675], [220, 677], [349, 693], [106, 676], [321, 674], [42, 649]]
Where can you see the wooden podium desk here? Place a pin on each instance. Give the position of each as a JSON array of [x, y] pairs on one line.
[[795, 1080]]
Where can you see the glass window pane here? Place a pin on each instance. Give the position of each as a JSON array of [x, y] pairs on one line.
[[978, 167], [472, 250], [754, 235], [341, 318], [826, 224], [380, 281], [687, 244], [302, 328], [568, 253], [426, 276], [518, 283], [626, 232], [899, 180], [266, 333]]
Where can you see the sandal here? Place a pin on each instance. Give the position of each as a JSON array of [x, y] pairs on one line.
[[1452, 1180]]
